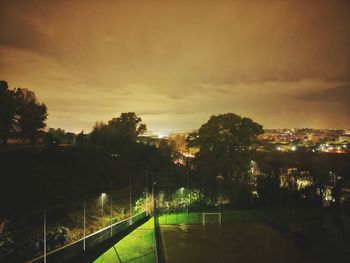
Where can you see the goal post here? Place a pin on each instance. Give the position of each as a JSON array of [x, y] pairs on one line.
[[207, 218]]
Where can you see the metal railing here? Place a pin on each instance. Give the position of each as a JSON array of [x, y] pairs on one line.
[[76, 248]]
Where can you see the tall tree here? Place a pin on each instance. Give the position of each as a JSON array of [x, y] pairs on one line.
[[119, 131], [6, 111], [225, 144], [30, 114], [128, 125]]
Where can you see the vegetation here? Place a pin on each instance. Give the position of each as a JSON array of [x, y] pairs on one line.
[[116, 155], [20, 113], [109, 158], [7, 109], [119, 132], [226, 143]]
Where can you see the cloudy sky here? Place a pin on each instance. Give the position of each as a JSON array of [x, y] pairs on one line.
[[175, 63]]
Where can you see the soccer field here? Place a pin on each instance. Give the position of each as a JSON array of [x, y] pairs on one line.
[[244, 242], [244, 236]]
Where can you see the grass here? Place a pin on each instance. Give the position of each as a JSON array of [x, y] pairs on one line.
[[138, 247]]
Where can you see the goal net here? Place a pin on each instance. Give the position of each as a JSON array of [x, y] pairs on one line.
[[211, 218]]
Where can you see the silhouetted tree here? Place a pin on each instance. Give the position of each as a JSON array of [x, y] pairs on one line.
[[119, 131], [6, 111], [128, 126], [81, 139], [30, 115], [225, 144]]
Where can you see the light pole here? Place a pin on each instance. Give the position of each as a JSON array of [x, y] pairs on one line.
[[102, 195], [130, 200], [45, 230], [154, 199], [84, 221], [147, 193], [182, 195], [111, 208], [188, 188]]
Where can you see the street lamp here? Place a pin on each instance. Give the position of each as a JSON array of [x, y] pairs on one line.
[[146, 193], [102, 195], [84, 221], [111, 197], [45, 245], [130, 200]]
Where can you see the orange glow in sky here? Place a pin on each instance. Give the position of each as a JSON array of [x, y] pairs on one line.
[[175, 63]]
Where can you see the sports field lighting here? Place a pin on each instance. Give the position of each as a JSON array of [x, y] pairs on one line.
[[84, 221], [130, 200], [182, 190], [102, 196]]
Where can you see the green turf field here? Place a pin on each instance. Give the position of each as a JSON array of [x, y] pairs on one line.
[[138, 247]]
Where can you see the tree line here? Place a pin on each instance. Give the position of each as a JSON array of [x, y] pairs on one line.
[[226, 144]]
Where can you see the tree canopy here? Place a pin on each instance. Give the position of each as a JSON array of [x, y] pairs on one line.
[[119, 131], [127, 126], [7, 110], [31, 115], [20, 112], [225, 144]]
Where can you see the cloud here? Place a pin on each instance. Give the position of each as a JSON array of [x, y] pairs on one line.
[[20, 29], [340, 94], [170, 58]]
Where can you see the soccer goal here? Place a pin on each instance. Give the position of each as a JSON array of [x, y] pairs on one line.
[[211, 218]]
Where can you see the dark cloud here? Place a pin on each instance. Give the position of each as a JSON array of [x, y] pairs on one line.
[[339, 94], [18, 28], [171, 57]]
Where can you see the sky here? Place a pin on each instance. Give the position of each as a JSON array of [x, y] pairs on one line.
[[285, 64]]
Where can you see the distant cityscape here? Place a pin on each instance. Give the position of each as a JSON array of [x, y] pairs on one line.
[[309, 140], [282, 140], [279, 140]]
